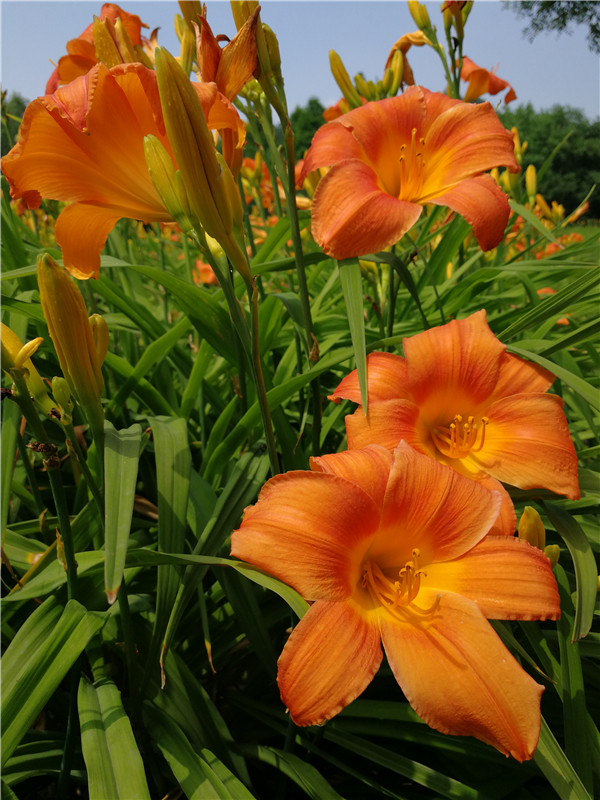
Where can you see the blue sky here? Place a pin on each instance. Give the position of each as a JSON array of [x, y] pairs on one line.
[[552, 69]]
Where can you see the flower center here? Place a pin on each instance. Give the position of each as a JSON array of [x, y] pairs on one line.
[[411, 168], [397, 596], [460, 438]]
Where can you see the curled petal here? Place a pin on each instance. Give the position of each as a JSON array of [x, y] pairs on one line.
[[528, 445], [505, 576], [368, 468], [519, 376], [461, 679], [305, 529], [330, 658], [81, 231], [483, 205], [353, 216], [387, 379]]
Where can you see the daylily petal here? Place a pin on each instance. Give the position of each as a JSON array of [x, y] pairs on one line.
[[518, 376], [81, 231], [461, 679], [453, 367], [352, 216], [386, 424], [330, 658], [483, 205], [331, 144], [368, 468], [305, 529], [474, 132], [431, 508], [528, 444], [387, 379], [506, 524], [505, 576]]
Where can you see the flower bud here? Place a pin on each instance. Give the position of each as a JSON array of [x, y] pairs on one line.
[[531, 528], [363, 87], [274, 54], [164, 177], [100, 336], [112, 43], [419, 13], [552, 552], [531, 183], [16, 355], [71, 333], [343, 80]]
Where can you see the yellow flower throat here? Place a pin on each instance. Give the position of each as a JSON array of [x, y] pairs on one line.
[[398, 596], [459, 438]]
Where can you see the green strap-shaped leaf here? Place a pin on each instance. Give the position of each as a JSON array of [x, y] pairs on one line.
[[351, 281], [589, 393], [584, 562], [37, 660], [200, 773], [121, 456], [557, 768], [114, 765], [307, 777]]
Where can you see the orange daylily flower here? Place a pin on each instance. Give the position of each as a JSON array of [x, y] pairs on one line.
[[204, 274], [404, 43], [459, 397], [81, 53], [232, 66], [390, 157], [84, 144], [395, 548], [482, 81]]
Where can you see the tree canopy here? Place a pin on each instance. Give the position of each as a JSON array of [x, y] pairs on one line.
[[559, 15]]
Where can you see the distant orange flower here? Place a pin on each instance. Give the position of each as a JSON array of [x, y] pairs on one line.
[[232, 66], [81, 54], [84, 144], [482, 81], [395, 548], [404, 43], [390, 157], [204, 274], [459, 397]]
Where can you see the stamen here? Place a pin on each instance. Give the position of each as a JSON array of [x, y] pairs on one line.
[[397, 596], [456, 440]]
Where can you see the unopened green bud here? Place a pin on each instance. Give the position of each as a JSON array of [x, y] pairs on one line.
[[552, 551], [342, 79], [531, 528]]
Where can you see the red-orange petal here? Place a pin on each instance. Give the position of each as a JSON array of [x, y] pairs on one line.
[[430, 507], [461, 679], [81, 231], [483, 205], [386, 380], [368, 468], [330, 658], [528, 445], [386, 424], [310, 531], [454, 367], [505, 576], [353, 216]]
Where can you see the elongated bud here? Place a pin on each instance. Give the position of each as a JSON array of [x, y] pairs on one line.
[[62, 396], [419, 13], [531, 528], [363, 87], [112, 43], [16, 355], [531, 183], [552, 552], [70, 331], [193, 147], [397, 69], [203, 177], [164, 177], [100, 335], [342, 79], [273, 51], [233, 194], [191, 10], [543, 206]]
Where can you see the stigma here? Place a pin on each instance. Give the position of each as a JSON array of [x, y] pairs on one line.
[[459, 438], [410, 168]]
